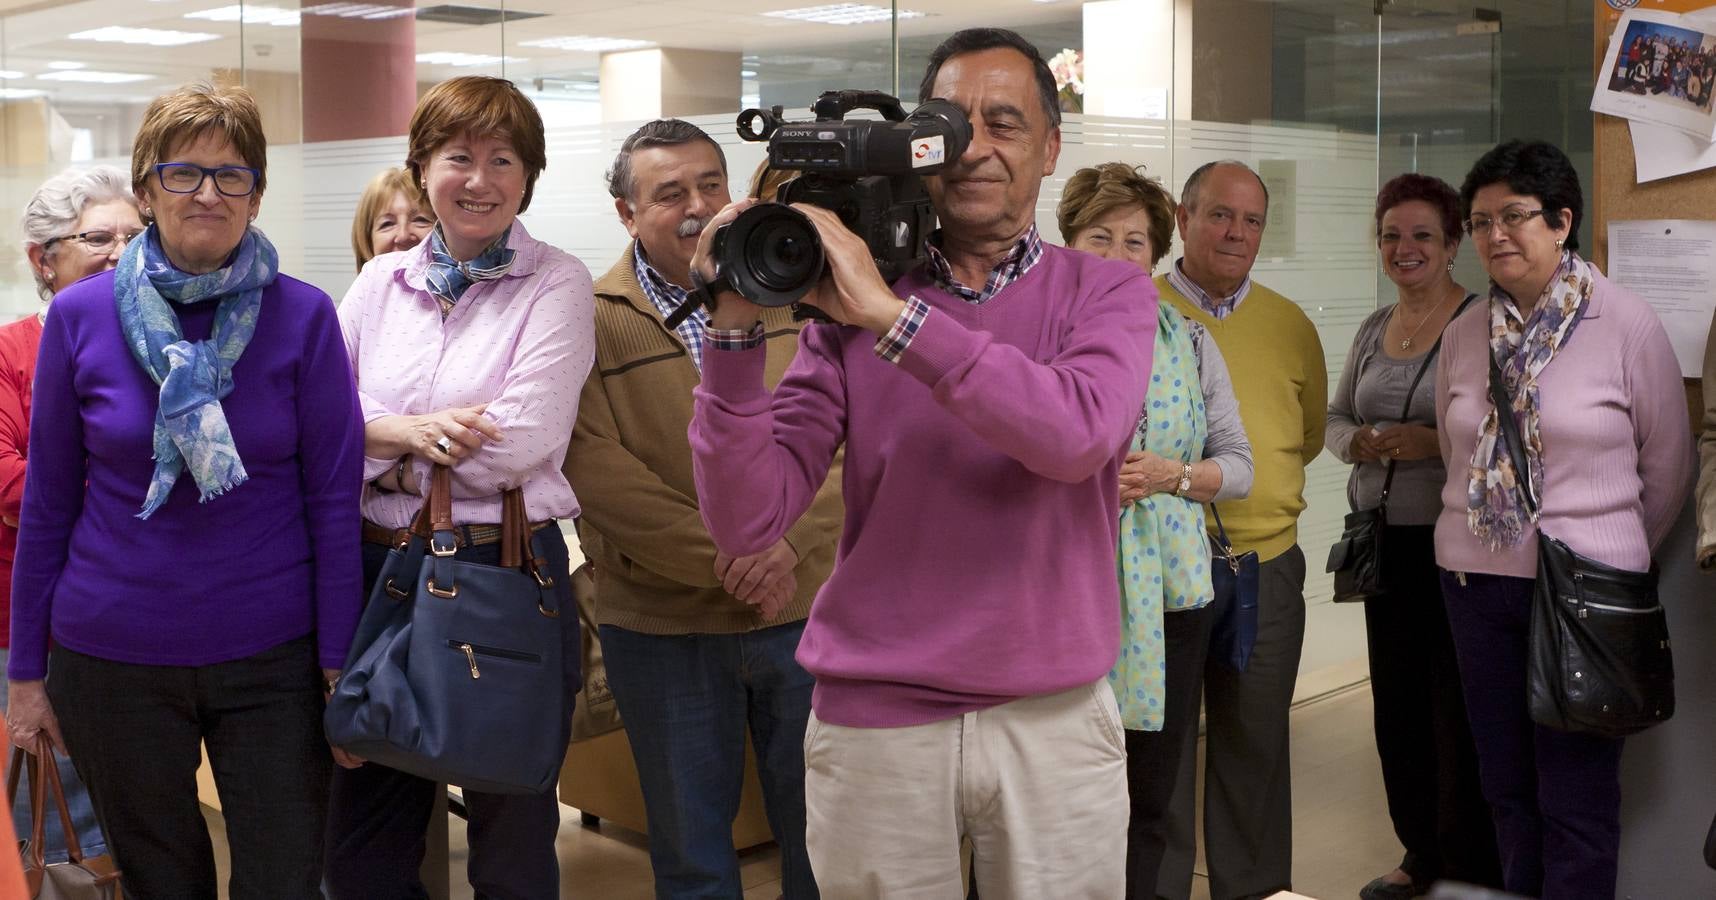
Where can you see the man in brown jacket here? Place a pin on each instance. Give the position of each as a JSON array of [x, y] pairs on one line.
[[698, 646]]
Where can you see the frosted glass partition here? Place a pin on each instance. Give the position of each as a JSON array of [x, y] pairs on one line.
[[1318, 252], [17, 287], [332, 177]]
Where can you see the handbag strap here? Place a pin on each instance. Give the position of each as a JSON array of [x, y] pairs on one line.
[[436, 515], [1406, 409], [44, 778], [1222, 543], [1509, 428]]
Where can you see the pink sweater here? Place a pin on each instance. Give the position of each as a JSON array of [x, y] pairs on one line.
[[1617, 443], [976, 564]]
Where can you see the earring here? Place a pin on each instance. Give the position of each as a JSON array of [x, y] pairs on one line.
[[1450, 267], [48, 275], [1558, 243]]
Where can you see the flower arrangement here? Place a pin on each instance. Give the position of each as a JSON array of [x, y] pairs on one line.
[[1068, 69]]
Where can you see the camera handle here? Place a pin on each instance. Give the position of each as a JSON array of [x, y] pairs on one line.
[[833, 106], [702, 293]]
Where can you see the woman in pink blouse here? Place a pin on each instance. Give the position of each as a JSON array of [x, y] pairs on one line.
[[1608, 446], [470, 350]]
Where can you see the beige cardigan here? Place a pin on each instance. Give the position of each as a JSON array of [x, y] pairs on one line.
[[630, 464]]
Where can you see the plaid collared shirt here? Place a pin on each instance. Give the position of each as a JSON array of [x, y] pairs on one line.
[[1012, 267], [666, 297], [1218, 307]]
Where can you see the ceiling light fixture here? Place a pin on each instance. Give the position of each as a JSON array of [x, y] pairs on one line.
[[154, 37], [842, 14], [20, 93], [65, 64], [9, 73], [358, 11], [584, 43], [249, 15], [445, 58], [91, 76]]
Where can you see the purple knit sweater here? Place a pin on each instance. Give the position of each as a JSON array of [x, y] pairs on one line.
[[976, 565], [271, 560]]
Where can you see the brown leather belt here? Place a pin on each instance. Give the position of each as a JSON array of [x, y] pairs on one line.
[[465, 535]]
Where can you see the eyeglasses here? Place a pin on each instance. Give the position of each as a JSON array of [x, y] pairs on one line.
[[96, 241], [1511, 219], [185, 178]]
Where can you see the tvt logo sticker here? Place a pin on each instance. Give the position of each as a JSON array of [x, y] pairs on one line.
[[930, 151]]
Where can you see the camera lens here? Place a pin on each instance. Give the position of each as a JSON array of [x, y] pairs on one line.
[[771, 253], [781, 254]]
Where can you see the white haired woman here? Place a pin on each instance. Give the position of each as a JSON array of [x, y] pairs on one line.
[[75, 225]]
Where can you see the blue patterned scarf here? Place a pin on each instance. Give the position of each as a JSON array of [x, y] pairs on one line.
[[190, 426], [449, 279], [1163, 562], [1523, 345]]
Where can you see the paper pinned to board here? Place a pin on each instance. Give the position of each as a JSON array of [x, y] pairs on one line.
[[1661, 152], [1660, 68], [1671, 263]]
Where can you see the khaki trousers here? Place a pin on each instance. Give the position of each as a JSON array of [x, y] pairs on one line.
[[1037, 785]]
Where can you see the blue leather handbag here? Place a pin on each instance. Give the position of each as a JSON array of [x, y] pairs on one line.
[[1235, 632], [455, 671]]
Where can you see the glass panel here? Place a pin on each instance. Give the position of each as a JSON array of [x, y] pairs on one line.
[[75, 80]]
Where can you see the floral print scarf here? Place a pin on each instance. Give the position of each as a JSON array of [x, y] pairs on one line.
[[1523, 345]]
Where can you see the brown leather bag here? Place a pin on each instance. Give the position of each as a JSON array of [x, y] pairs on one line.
[[78, 878], [595, 712]]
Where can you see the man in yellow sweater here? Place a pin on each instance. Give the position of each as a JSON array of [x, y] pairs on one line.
[[1281, 382]]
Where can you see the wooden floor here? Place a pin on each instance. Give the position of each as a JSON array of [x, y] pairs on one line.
[[1341, 833]]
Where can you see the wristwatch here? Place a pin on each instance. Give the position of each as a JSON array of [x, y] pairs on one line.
[[1185, 480]]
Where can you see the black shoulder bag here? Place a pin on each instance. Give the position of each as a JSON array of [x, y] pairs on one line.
[[1356, 559], [1600, 662]]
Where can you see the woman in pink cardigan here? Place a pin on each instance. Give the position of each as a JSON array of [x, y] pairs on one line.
[[1609, 449]]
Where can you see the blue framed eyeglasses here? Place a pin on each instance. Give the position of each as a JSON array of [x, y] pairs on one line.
[[186, 178]]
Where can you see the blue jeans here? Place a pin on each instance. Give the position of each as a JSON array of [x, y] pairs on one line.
[[89, 836], [687, 701]]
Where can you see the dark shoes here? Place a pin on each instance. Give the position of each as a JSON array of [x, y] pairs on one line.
[[1380, 889]]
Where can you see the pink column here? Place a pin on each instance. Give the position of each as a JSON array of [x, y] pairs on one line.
[[359, 75]]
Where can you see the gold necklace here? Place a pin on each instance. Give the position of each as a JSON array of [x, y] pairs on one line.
[[1407, 343]]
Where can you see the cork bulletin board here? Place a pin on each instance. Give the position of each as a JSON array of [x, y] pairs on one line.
[[1616, 194]]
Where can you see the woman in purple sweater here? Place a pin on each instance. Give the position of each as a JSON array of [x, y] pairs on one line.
[[186, 537], [1609, 448]]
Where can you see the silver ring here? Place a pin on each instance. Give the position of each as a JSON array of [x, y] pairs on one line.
[[445, 445]]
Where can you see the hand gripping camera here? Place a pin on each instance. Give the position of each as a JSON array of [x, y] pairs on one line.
[[866, 172]]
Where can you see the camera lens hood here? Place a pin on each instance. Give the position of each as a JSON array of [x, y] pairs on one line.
[[770, 253]]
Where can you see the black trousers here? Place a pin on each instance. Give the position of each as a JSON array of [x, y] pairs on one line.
[[1429, 763], [378, 818], [135, 733], [1248, 801], [1554, 796], [1153, 757]]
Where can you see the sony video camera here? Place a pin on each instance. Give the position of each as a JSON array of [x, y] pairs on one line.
[[866, 172]]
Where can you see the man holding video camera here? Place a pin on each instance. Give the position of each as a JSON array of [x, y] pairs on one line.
[[984, 401]]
